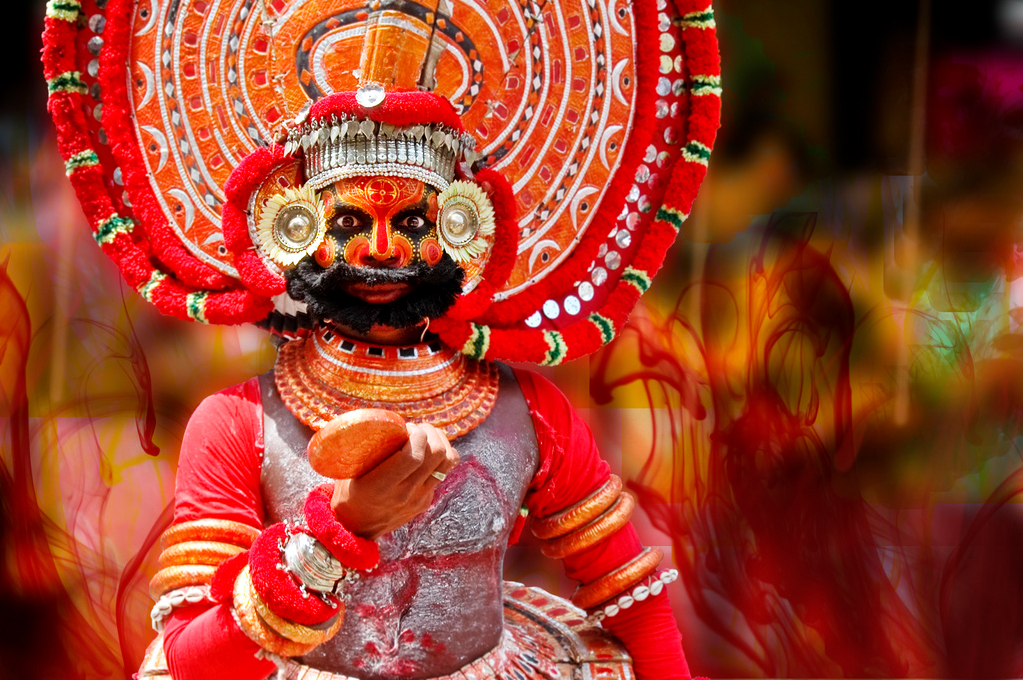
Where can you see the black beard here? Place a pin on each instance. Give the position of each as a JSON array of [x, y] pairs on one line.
[[434, 289]]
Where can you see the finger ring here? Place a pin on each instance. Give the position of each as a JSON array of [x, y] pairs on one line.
[[438, 475]]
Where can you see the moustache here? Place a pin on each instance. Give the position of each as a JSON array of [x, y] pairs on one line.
[[434, 288], [342, 273]]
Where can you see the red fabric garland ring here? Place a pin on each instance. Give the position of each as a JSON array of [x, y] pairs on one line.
[[679, 187], [398, 108], [509, 312], [277, 587], [222, 584], [353, 552], [117, 121]]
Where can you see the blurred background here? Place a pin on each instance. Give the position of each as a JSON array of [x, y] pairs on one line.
[[818, 404]]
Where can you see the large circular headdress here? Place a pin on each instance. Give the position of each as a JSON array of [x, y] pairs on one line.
[[600, 114]]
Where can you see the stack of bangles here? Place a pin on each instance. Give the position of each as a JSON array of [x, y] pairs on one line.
[[648, 586], [192, 551], [273, 632], [582, 526], [288, 599]]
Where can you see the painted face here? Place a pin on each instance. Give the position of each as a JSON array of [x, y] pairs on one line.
[[380, 222], [380, 263]]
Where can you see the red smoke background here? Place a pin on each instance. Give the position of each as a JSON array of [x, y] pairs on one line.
[[818, 404]]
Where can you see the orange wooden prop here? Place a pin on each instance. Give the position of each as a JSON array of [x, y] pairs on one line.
[[356, 442]]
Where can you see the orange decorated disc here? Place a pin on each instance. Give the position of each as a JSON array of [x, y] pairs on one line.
[[600, 113], [550, 98], [354, 443]]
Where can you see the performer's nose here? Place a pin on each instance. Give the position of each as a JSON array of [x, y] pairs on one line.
[[381, 247], [372, 259]]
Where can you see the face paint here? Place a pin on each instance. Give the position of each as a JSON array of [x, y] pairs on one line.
[[430, 251], [381, 263], [326, 254], [382, 221]]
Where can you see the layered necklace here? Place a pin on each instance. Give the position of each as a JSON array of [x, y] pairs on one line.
[[324, 375]]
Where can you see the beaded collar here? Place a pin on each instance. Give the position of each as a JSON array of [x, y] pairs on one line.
[[325, 375]]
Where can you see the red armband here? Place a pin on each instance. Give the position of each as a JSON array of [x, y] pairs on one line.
[[352, 551], [281, 591]]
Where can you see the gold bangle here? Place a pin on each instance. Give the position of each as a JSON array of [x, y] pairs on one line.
[[618, 581], [295, 632], [255, 628], [610, 521], [180, 576], [581, 513], [208, 553], [220, 530]]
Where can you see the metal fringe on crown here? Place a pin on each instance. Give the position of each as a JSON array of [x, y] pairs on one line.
[[350, 147]]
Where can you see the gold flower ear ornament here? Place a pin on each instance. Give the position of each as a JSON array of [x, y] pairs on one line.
[[291, 226], [466, 221]]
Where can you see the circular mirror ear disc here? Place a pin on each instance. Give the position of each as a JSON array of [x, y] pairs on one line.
[[459, 222], [291, 226], [466, 220], [295, 226]]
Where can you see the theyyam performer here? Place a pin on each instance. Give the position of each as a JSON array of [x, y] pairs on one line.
[[403, 194]]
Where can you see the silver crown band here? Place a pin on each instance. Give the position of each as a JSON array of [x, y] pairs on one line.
[[350, 148], [379, 170]]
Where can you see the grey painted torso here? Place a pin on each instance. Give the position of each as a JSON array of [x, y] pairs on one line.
[[434, 604]]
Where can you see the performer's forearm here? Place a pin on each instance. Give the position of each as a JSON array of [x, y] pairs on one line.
[[650, 633], [581, 513], [203, 643], [287, 597], [279, 598], [647, 628]]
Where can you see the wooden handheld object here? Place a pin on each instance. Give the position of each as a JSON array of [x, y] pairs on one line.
[[356, 442]]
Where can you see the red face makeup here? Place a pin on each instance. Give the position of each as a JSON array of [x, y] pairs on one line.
[[381, 222]]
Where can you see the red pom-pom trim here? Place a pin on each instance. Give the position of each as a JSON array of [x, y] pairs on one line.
[[277, 587], [398, 108], [352, 551], [502, 256], [222, 584], [506, 238], [117, 121], [244, 181]]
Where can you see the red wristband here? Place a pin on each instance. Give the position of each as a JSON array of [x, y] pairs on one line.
[[222, 584], [278, 588], [351, 550]]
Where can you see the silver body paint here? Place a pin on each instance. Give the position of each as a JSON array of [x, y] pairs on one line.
[[435, 602]]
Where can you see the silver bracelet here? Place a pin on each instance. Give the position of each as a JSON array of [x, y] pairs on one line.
[[652, 585], [173, 599], [313, 565]]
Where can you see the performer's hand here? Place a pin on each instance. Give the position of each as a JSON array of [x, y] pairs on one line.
[[399, 488]]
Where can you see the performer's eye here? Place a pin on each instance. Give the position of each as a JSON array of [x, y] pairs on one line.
[[348, 222], [413, 222]]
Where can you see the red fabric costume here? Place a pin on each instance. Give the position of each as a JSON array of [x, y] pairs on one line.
[[218, 477]]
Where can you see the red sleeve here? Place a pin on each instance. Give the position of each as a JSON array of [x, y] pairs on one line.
[[570, 469], [218, 477], [221, 456]]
